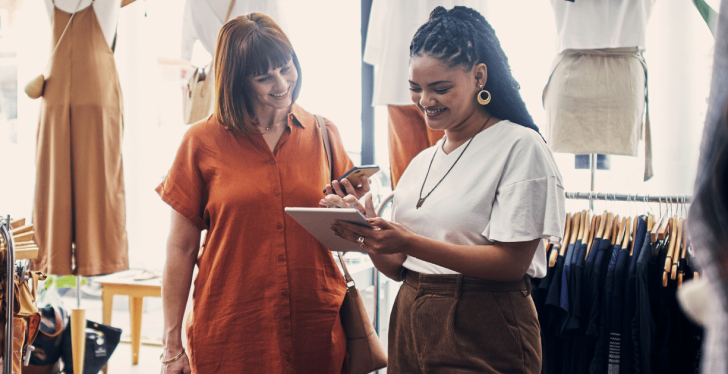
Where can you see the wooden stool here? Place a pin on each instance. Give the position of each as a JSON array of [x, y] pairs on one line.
[[137, 291]]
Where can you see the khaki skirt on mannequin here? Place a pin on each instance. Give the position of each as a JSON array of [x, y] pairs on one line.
[[595, 101]]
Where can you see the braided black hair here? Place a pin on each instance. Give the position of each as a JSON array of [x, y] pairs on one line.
[[462, 37]]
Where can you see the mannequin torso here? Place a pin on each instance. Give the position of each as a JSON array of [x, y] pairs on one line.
[[107, 12]]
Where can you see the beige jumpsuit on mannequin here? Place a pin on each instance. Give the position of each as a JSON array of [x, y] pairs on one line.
[[79, 210]]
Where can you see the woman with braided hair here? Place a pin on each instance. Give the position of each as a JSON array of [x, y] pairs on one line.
[[470, 213]]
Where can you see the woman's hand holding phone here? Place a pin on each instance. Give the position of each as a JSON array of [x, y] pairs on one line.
[[358, 175]]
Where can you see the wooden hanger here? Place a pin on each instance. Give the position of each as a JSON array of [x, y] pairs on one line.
[[680, 224], [602, 224], [15, 223], [626, 232], [583, 228], [608, 227], [22, 236], [575, 226], [615, 229], [621, 229], [592, 234], [662, 232], [22, 229], [634, 235], [560, 252], [651, 223], [670, 250], [683, 250], [567, 233]]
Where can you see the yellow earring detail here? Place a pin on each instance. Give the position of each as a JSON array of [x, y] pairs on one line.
[[482, 101]]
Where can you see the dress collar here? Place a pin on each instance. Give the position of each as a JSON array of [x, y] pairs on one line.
[[301, 117]]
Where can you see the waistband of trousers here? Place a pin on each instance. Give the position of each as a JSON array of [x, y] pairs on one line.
[[455, 284], [624, 51]]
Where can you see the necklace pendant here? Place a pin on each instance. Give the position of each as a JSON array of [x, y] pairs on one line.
[[420, 202]]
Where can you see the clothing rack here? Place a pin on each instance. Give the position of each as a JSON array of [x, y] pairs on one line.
[[9, 283], [595, 196]]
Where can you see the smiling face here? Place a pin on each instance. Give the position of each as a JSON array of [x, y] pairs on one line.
[[444, 95], [275, 88]]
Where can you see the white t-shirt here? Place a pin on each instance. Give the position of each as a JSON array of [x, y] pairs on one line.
[[201, 22], [506, 187], [593, 24], [392, 24]]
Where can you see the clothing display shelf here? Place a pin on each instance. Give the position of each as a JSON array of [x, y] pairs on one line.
[[594, 196], [13, 270], [17, 270], [8, 350]]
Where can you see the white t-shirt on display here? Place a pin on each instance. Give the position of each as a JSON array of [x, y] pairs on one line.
[[506, 187], [594, 24]]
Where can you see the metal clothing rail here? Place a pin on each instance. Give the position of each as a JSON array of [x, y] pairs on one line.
[[596, 196], [9, 299]]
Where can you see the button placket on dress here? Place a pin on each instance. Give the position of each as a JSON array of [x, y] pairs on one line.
[[279, 243]]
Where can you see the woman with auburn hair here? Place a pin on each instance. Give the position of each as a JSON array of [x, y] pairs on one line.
[[469, 214], [267, 294]]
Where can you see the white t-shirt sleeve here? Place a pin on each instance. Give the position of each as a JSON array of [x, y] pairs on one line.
[[529, 200], [527, 210]]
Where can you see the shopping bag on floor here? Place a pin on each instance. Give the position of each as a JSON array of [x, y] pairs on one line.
[[101, 341]]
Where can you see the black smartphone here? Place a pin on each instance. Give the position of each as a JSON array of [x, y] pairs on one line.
[[356, 172]]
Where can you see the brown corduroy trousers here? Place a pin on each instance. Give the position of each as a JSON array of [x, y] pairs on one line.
[[461, 324]]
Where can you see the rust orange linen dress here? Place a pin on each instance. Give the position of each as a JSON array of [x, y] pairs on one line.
[[267, 295]]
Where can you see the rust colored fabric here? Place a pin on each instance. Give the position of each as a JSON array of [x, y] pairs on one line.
[[267, 294], [79, 209], [408, 136], [460, 324]]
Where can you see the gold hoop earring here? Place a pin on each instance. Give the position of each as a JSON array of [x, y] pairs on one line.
[[482, 101]]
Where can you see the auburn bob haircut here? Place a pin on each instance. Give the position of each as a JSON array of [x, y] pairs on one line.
[[247, 46]]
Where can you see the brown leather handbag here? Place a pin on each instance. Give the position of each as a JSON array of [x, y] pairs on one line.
[[366, 353]]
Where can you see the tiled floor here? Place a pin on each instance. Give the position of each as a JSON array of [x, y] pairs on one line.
[[120, 362]]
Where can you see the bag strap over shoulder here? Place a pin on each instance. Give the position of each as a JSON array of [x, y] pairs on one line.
[[327, 143], [329, 158], [349, 280]]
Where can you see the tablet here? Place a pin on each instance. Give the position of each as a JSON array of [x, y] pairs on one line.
[[318, 221]]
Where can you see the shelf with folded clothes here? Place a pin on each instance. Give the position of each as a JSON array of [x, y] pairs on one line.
[[16, 247]]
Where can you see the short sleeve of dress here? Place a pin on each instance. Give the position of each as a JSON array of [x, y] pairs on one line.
[[527, 210], [184, 187]]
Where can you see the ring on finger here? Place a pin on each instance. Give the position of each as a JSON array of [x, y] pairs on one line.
[[361, 241]]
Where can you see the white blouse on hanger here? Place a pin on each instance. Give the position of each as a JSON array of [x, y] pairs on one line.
[[202, 23], [392, 24], [594, 24]]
